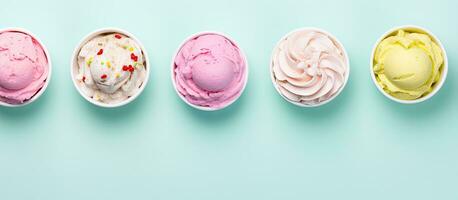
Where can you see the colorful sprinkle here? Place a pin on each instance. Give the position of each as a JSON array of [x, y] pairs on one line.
[[108, 64], [117, 75], [133, 57], [104, 76], [100, 52], [117, 36], [89, 61], [84, 79], [131, 69], [125, 68], [131, 49]]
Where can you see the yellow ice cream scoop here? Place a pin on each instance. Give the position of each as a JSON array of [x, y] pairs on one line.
[[407, 65]]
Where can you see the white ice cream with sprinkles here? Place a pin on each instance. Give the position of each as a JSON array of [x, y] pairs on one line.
[[111, 68]]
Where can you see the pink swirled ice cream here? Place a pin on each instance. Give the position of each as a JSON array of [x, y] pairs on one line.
[[209, 71], [23, 67], [309, 67]]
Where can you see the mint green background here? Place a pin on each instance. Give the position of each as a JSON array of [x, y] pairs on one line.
[[360, 146]]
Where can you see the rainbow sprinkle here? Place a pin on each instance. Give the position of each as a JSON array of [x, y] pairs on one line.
[[89, 61]]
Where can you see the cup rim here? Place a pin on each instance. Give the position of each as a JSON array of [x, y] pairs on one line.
[[347, 58], [48, 57], [192, 36], [90, 36], [444, 73]]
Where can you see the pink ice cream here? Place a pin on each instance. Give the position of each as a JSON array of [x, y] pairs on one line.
[[309, 67], [210, 71], [23, 67]]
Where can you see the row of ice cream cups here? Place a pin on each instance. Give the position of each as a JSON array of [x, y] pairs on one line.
[[309, 67]]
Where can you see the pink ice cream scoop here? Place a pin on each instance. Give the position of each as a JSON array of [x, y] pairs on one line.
[[23, 67], [209, 71], [309, 67]]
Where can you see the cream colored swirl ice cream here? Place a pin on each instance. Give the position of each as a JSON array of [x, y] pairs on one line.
[[209, 70], [407, 65], [23, 67], [111, 68], [309, 67]]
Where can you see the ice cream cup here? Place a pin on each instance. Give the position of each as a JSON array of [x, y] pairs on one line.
[[419, 29], [203, 108], [48, 57], [345, 55], [74, 65]]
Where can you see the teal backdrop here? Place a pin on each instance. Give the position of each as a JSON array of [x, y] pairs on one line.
[[360, 146]]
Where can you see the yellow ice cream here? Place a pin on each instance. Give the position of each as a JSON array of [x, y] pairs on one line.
[[408, 64]]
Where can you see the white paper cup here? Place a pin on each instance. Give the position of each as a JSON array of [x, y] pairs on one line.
[[173, 72], [74, 66], [48, 57], [345, 56], [417, 29]]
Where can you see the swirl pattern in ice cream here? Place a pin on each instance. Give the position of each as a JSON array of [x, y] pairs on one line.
[[309, 67]]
